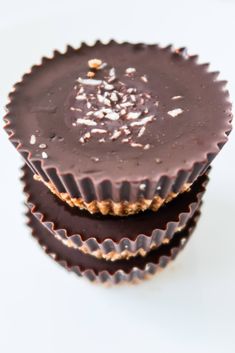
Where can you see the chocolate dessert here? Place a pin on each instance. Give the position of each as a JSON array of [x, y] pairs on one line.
[[117, 141], [119, 128], [133, 270], [111, 237]]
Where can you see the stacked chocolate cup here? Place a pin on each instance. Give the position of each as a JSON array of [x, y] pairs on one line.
[[117, 140]]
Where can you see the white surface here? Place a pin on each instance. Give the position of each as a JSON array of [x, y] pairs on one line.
[[189, 307]]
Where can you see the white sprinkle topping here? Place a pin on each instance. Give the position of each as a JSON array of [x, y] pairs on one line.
[[124, 98], [146, 147], [133, 144], [107, 102], [144, 78], [115, 135], [130, 70], [95, 159], [86, 122], [112, 116], [99, 114], [133, 97], [158, 160], [143, 121], [98, 131], [176, 97], [81, 97], [75, 109], [88, 105], [142, 187], [156, 103], [131, 90], [103, 100], [125, 129], [113, 105], [42, 145], [159, 188], [114, 97], [44, 155], [100, 98], [112, 72], [86, 136], [112, 75], [175, 112], [90, 82], [133, 115], [32, 140], [126, 104], [107, 86], [106, 110], [141, 132]]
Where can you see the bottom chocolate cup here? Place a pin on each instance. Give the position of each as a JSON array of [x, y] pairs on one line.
[[109, 237], [99, 270]]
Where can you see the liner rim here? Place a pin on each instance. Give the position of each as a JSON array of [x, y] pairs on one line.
[[109, 245], [120, 275]]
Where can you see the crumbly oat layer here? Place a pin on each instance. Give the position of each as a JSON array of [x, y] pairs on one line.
[[106, 207], [112, 255]]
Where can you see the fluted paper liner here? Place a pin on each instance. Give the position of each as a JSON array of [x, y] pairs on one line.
[[141, 232], [87, 190], [108, 272]]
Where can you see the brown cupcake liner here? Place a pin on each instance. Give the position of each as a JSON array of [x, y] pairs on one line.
[[102, 271], [106, 190], [156, 228]]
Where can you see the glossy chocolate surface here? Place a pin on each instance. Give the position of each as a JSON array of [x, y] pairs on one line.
[[178, 114]]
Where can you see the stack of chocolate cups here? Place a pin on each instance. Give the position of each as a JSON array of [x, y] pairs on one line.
[[117, 140]]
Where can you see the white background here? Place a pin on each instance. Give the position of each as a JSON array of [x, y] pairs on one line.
[[190, 306]]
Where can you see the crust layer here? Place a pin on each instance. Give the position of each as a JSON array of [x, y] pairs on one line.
[[106, 207]]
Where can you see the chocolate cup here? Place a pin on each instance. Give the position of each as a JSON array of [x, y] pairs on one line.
[[133, 270], [109, 236], [164, 179]]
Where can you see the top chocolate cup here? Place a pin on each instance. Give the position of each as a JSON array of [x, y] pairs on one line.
[[119, 128]]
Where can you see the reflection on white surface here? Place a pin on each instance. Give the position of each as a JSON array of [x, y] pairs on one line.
[[189, 307]]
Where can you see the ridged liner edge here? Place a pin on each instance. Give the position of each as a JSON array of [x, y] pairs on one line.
[[142, 241], [135, 275]]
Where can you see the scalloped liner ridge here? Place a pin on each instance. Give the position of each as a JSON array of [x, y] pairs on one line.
[[108, 245], [133, 275]]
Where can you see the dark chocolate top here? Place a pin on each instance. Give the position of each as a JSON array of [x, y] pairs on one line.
[[75, 221], [75, 257], [137, 111]]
